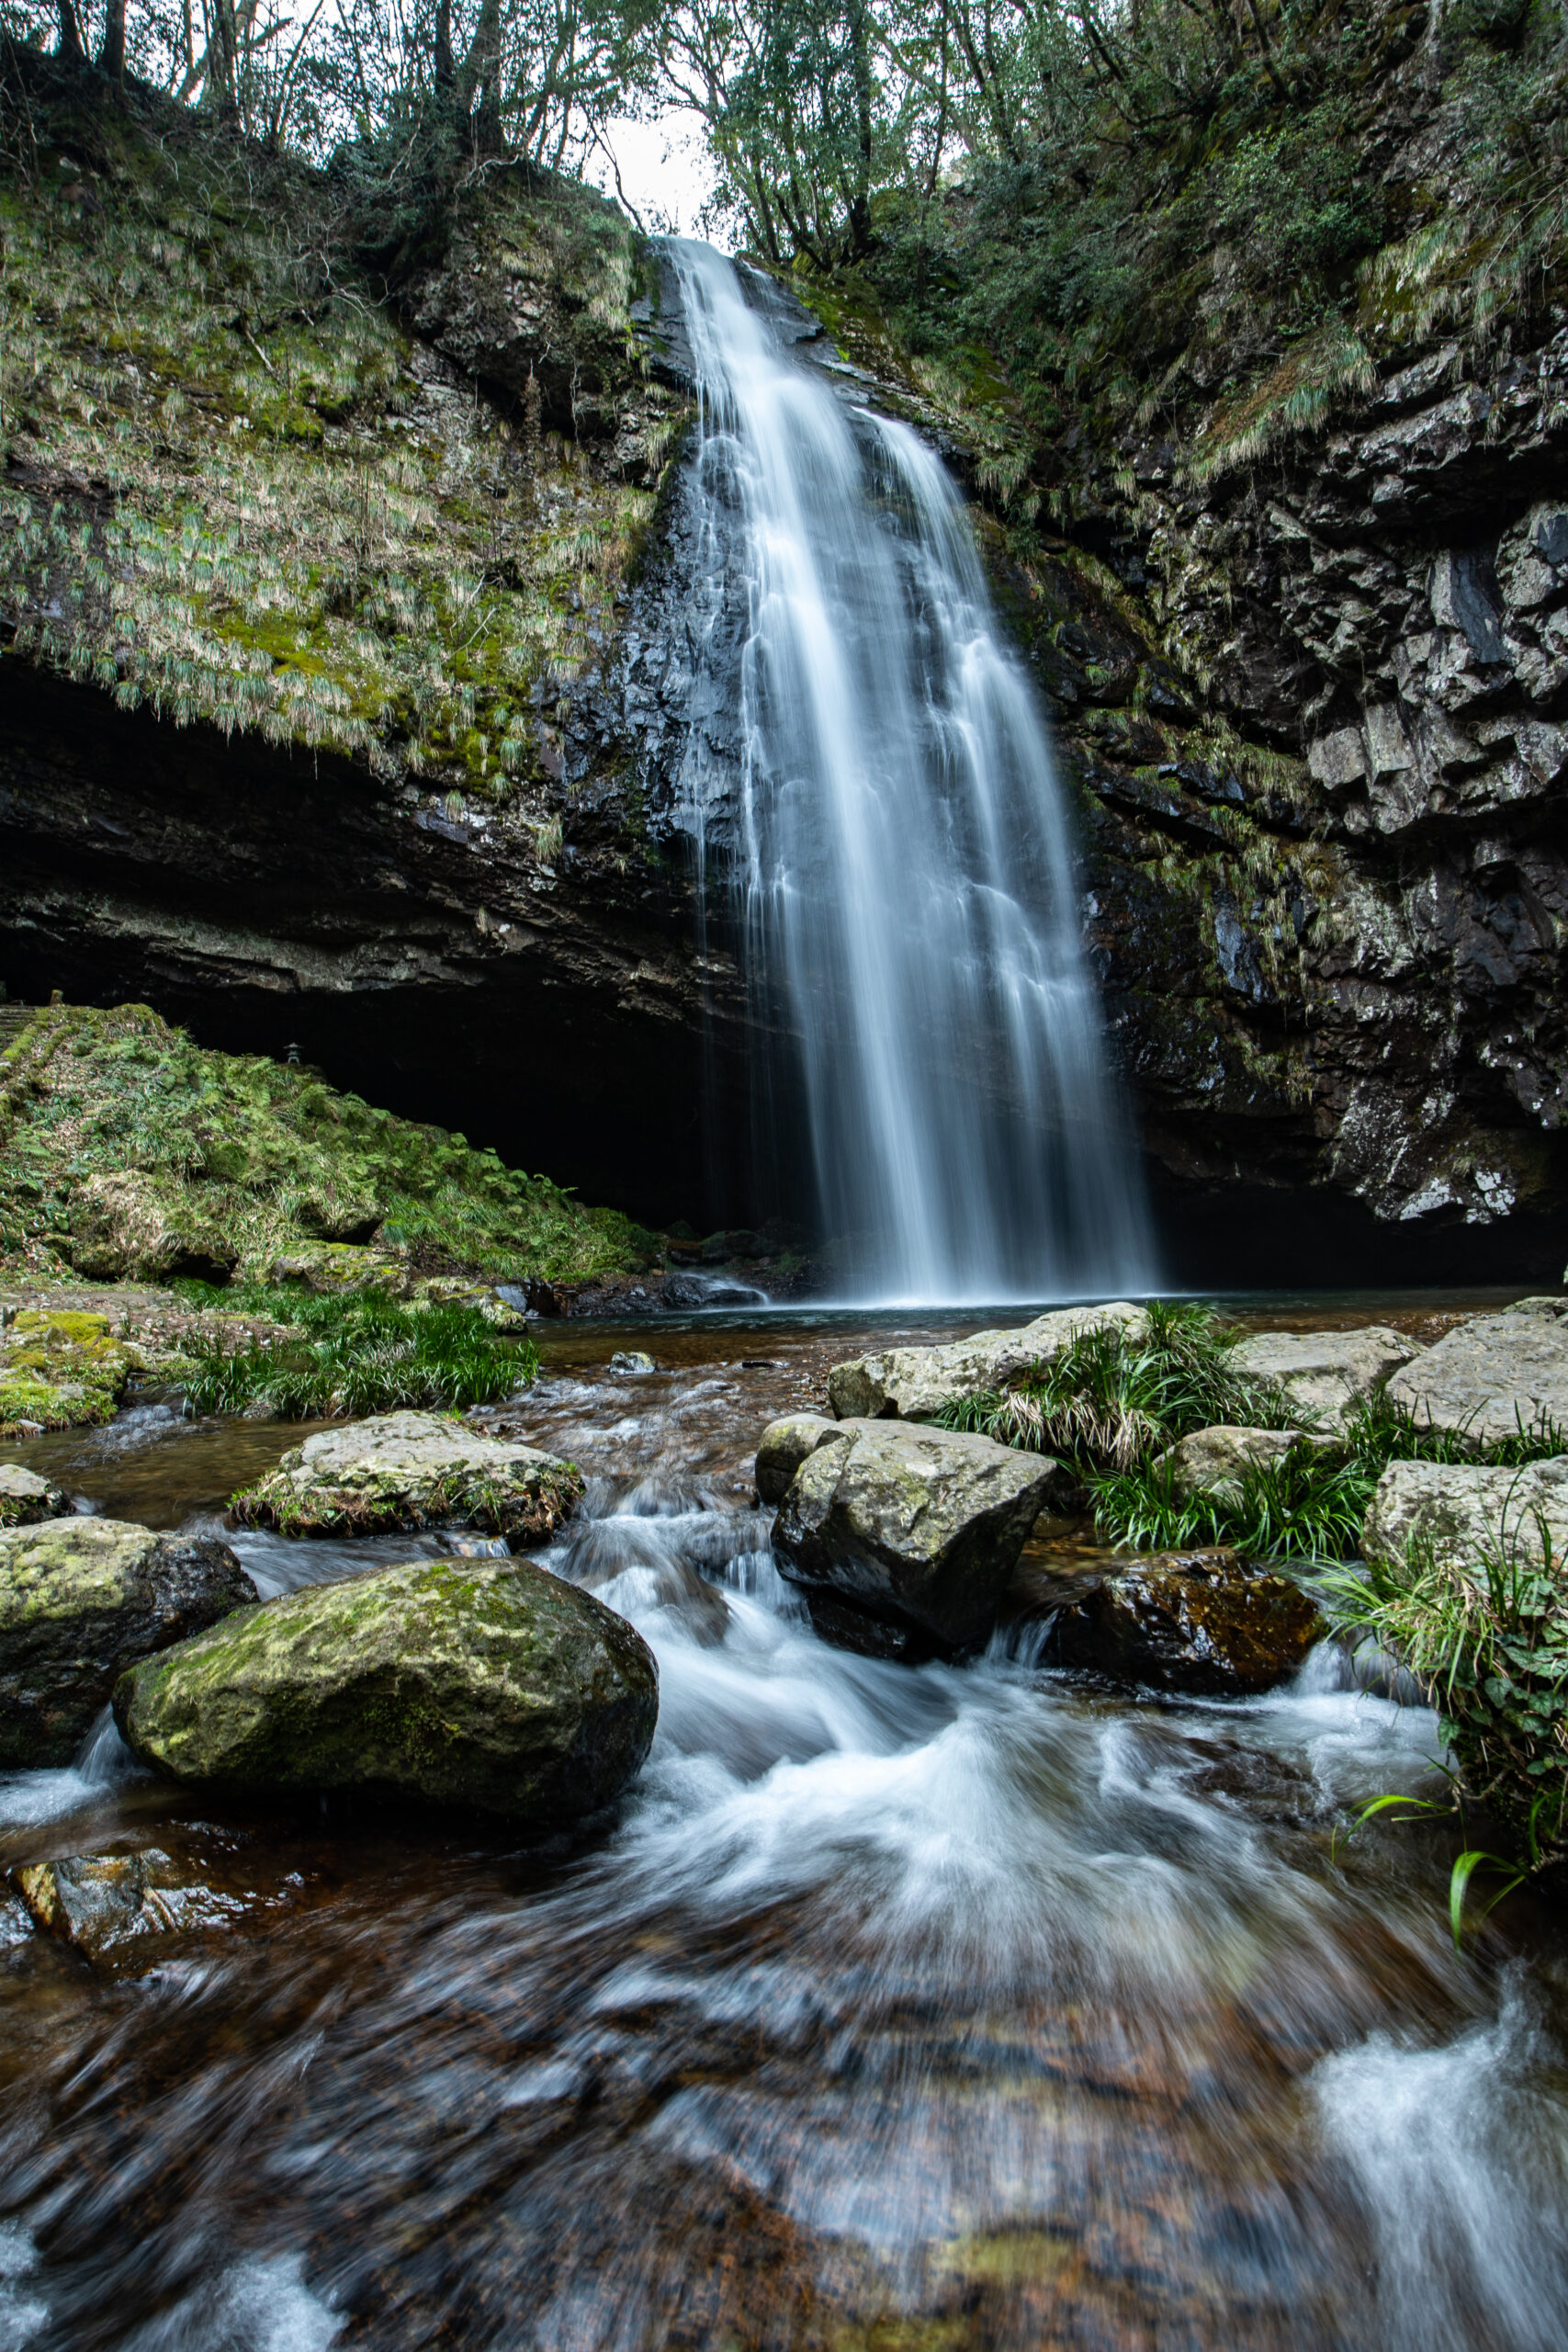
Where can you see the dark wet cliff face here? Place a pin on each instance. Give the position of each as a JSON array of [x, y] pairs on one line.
[[1334, 957], [1316, 710]]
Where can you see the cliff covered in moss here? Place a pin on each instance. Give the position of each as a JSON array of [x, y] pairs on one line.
[[314, 554]]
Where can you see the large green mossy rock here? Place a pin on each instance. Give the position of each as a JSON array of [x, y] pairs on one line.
[[59, 1368], [489, 1684], [80, 1600], [903, 1537], [403, 1471]]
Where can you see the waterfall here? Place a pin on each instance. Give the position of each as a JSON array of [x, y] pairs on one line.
[[888, 835]]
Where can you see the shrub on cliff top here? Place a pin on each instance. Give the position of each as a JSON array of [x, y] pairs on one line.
[[128, 1151]]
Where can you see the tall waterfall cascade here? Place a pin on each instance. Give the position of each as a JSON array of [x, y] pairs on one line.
[[886, 833]]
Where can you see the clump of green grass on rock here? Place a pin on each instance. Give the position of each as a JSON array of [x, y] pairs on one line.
[[1111, 1399]]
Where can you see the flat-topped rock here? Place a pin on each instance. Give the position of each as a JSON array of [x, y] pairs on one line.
[[913, 1383], [1491, 1377], [1208, 1459], [491, 1684], [1456, 1513], [913, 1531], [1324, 1374], [26, 1497], [1206, 1622], [80, 1600], [404, 1471]]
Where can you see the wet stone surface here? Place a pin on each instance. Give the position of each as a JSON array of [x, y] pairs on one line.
[[894, 2007]]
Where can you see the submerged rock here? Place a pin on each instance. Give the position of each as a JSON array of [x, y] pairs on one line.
[[1456, 1514], [26, 1497], [1324, 1374], [100, 1903], [914, 1530], [494, 1685], [913, 1383], [784, 1446], [80, 1600], [1212, 1458], [411, 1470], [1492, 1376], [1206, 1622]]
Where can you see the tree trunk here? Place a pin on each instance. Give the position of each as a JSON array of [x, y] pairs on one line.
[[486, 45], [222, 76], [111, 57], [70, 31], [446, 71]]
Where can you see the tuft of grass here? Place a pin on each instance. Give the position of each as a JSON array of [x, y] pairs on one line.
[[1487, 1638], [359, 1355], [1108, 1402], [1311, 1505]]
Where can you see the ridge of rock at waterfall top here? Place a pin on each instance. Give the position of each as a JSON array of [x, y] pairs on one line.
[[490, 1685]]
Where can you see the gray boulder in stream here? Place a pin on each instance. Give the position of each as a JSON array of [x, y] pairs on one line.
[[1492, 1376], [913, 1383], [80, 1600], [904, 1538], [488, 1684]]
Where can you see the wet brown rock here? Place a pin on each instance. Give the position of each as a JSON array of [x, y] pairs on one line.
[[102, 1903], [1205, 1621]]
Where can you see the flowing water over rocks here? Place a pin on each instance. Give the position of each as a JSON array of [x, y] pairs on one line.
[[938, 2007]]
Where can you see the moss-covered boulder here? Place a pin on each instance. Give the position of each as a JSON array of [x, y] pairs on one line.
[[489, 1684], [127, 1225], [58, 1367], [1208, 1623], [904, 1539], [27, 1497], [80, 1600], [403, 1471]]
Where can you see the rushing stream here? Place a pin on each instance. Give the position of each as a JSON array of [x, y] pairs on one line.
[[959, 2005], [895, 847]]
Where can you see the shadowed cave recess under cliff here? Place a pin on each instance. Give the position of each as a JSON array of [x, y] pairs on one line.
[[1308, 713]]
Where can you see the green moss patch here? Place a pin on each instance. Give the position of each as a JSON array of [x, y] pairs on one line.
[[129, 1153]]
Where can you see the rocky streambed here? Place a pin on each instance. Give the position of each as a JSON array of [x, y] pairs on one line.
[[989, 1993]]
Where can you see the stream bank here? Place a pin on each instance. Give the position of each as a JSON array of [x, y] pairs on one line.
[[955, 2005]]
